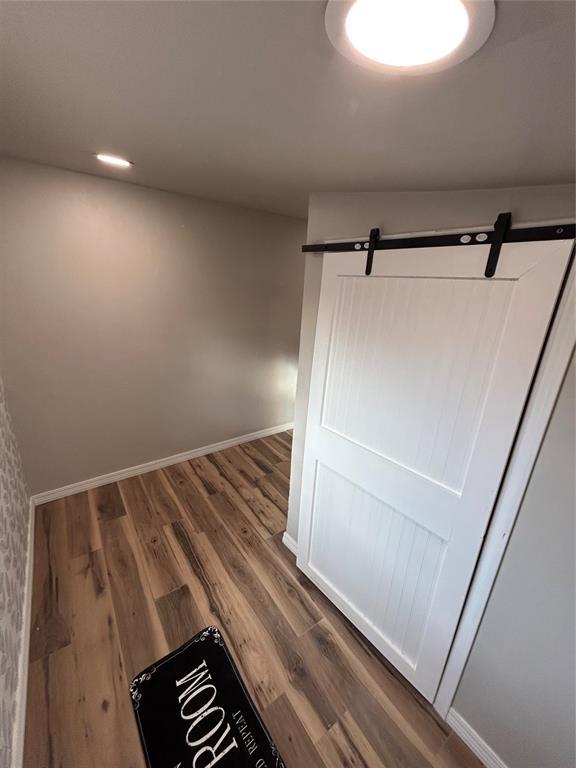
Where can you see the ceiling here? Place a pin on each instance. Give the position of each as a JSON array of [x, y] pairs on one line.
[[248, 102]]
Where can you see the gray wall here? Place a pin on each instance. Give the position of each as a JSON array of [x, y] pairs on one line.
[[518, 687], [351, 215], [136, 324]]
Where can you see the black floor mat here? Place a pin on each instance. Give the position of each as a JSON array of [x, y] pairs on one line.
[[193, 711]]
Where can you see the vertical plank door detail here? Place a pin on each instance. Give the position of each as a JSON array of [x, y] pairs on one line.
[[419, 378]]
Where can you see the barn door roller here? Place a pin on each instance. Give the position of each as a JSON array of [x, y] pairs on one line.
[[501, 227], [372, 243]]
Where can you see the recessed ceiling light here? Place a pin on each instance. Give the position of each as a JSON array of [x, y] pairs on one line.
[[119, 162], [409, 36]]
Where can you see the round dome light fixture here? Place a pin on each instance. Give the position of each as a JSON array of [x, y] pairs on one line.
[[410, 37]]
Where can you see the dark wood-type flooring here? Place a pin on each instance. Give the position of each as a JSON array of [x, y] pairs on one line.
[[129, 571]]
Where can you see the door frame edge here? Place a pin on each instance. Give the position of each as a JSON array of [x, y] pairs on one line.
[[553, 364]]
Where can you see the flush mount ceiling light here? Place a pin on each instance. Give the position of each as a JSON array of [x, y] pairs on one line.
[[409, 37], [119, 162]]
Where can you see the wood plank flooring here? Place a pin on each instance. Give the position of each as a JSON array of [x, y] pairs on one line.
[[127, 572]]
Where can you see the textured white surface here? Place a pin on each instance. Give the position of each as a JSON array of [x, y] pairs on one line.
[[13, 551]]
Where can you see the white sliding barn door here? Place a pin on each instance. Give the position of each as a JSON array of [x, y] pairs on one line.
[[420, 374]]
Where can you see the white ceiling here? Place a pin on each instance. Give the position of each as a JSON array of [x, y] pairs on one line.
[[248, 101]]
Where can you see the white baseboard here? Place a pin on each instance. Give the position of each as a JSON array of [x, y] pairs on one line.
[[290, 543], [473, 740], [140, 469], [23, 665]]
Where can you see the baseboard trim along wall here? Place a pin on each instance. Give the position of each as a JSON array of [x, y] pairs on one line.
[[473, 740], [140, 469], [290, 543], [23, 666]]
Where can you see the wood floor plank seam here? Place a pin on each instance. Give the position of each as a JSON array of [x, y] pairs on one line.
[[127, 572]]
